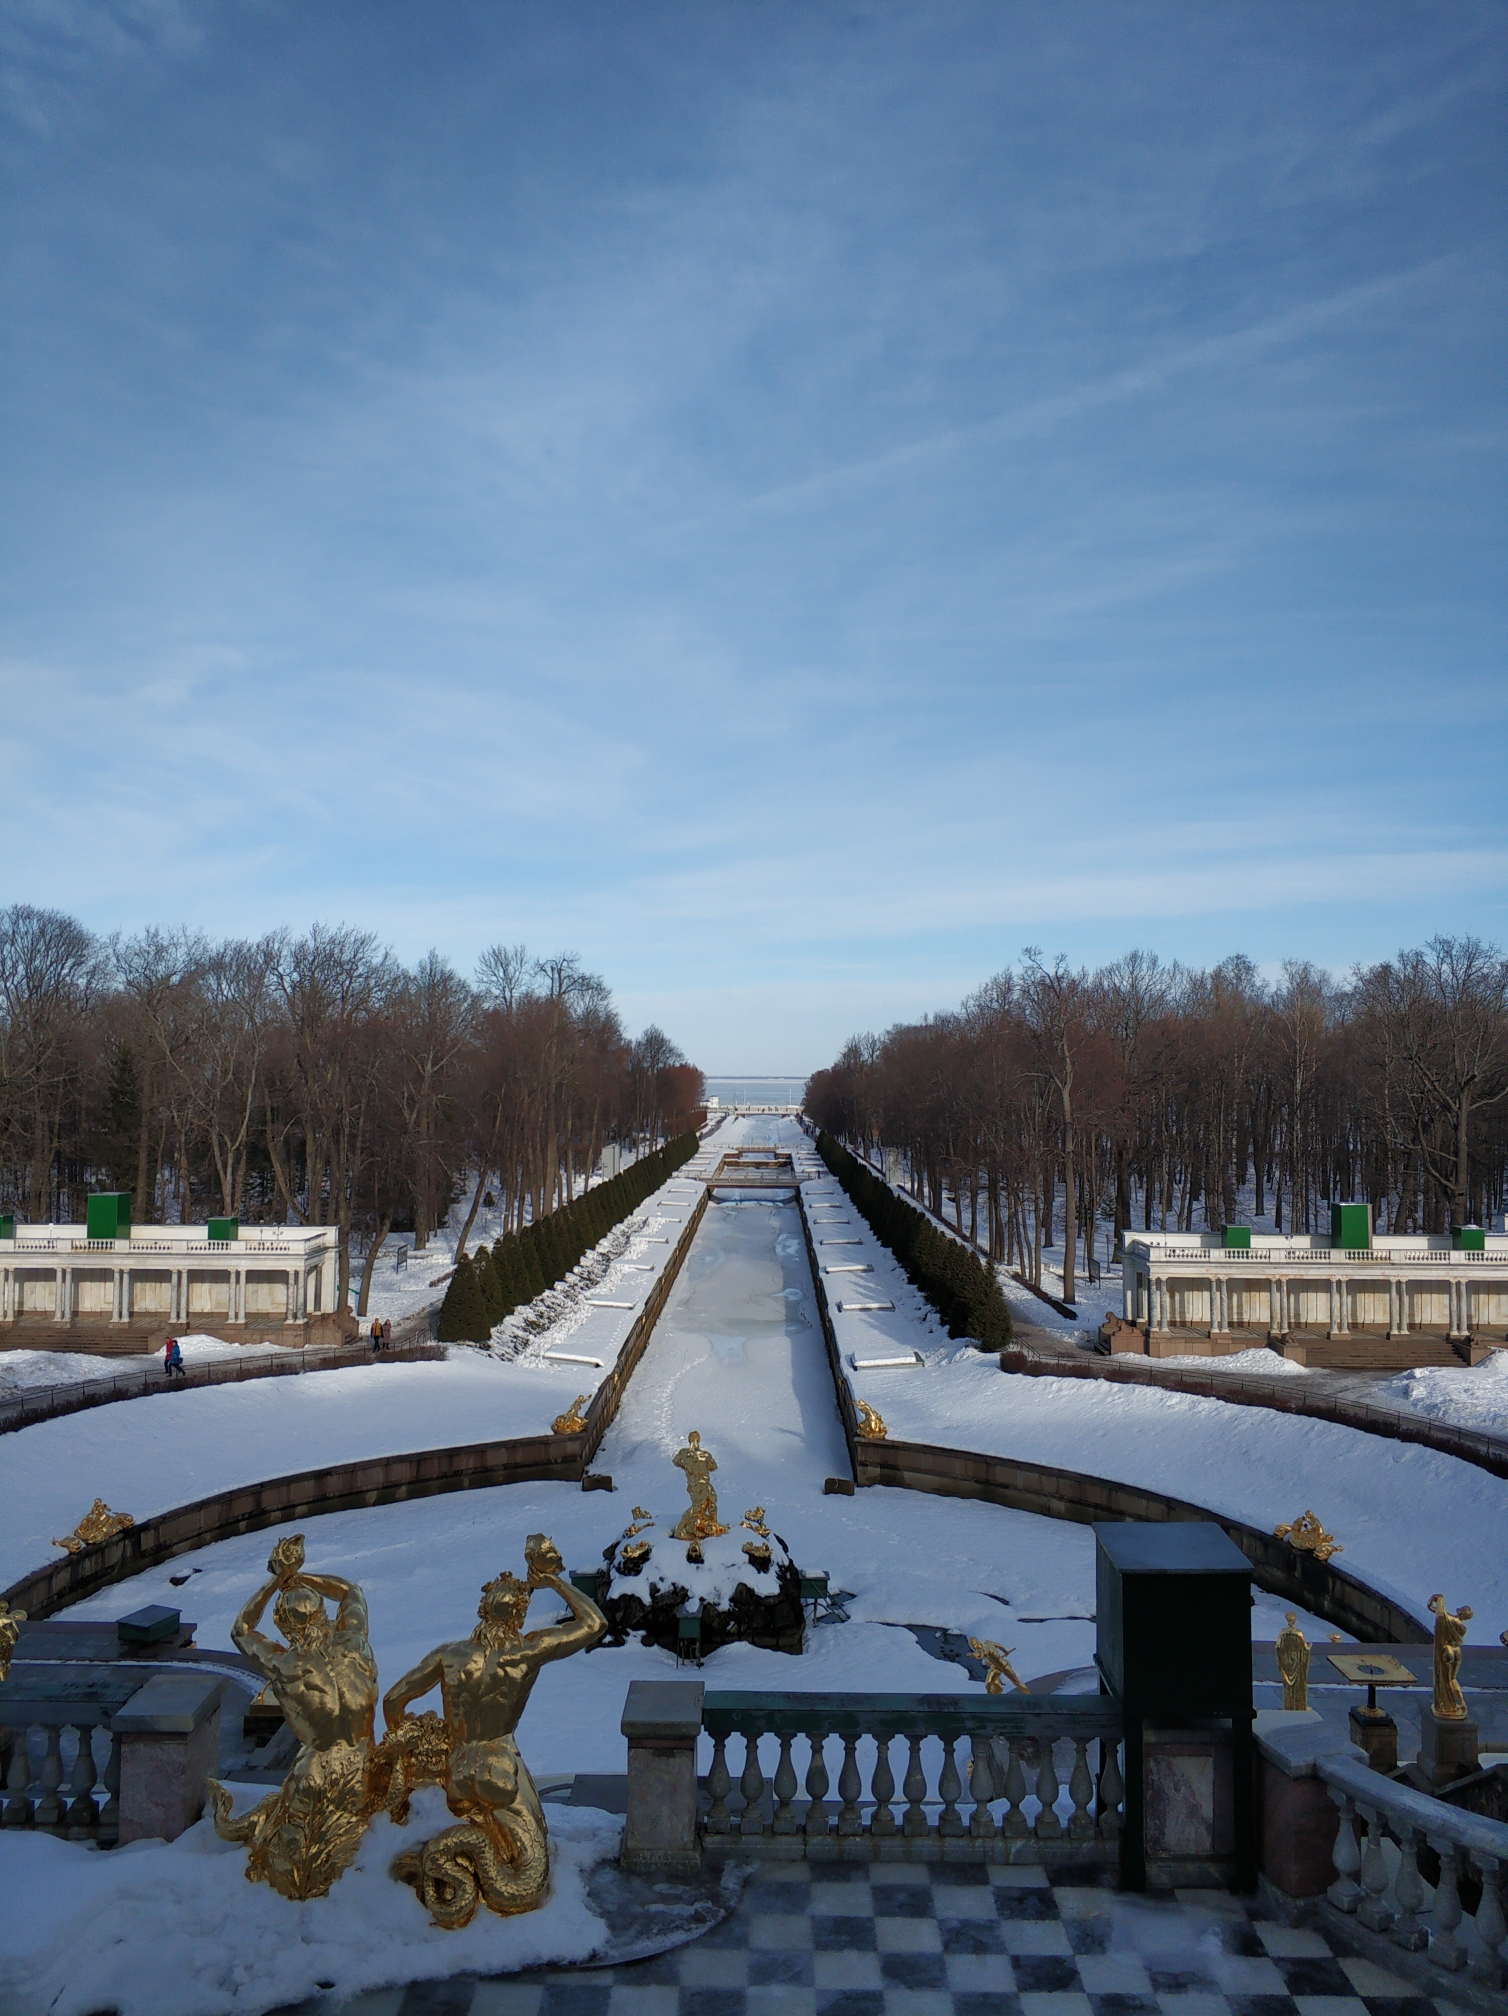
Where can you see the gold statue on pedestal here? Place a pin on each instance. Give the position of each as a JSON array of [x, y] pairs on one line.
[[1305, 1535], [699, 1521], [303, 1836], [499, 1855], [98, 1523], [1450, 1635], [10, 1630], [871, 1427], [997, 1664], [1292, 1654], [573, 1421]]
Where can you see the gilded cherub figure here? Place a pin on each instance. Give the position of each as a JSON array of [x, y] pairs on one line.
[[302, 1837], [997, 1665]]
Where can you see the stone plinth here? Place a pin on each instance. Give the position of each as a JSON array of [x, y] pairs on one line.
[[1447, 1750], [662, 1720], [1374, 1731], [170, 1744]]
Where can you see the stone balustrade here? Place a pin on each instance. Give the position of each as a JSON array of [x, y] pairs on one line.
[[879, 1777], [1386, 1832]]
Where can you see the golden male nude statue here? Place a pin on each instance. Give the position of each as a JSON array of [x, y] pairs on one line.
[[303, 1836], [1450, 1635], [499, 1856], [699, 1520]]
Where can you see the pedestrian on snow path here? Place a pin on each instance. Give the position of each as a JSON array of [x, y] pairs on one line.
[[172, 1359]]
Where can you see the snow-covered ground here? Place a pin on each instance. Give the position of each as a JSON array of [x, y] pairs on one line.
[[174, 1929], [145, 1459], [20, 1370], [1409, 1518], [1475, 1398]]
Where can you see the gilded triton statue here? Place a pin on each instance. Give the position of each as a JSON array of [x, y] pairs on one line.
[[699, 1521], [1450, 1635], [573, 1421], [871, 1427], [499, 1855], [302, 1837], [997, 1665], [1292, 1653], [10, 1630]]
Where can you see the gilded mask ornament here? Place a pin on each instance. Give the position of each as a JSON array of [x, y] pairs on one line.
[[1305, 1535]]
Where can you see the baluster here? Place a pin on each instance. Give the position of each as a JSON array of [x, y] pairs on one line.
[[883, 1787], [719, 1785], [981, 1788], [1013, 1823], [914, 1785], [1491, 1929], [949, 1786], [1081, 1791], [1372, 1911], [786, 1787], [850, 1785], [1112, 1788], [49, 1806], [1345, 1893], [817, 1822], [1445, 1949], [17, 1805], [81, 1814], [1408, 1929], [1049, 1826], [751, 1785], [109, 1818]]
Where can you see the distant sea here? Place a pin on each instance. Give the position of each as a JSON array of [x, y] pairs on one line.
[[756, 1091]]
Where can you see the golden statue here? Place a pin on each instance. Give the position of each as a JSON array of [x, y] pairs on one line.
[[642, 1522], [573, 1421], [98, 1523], [997, 1664], [499, 1855], [303, 1836], [871, 1427], [754, 1520], [1292, 1654], [1305, 1535], [1450, 1635], [699, 1521], [10, 1630]]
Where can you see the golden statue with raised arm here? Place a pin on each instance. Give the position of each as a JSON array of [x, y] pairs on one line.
[[1450, 1636], [699, 1520], [303, 1836], [998, 1669], [499, 1855]]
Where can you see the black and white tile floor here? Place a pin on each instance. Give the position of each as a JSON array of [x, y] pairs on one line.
[[904, 1939]]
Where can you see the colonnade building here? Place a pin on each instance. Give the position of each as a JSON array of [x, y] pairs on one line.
[[104, 1286], [1347, 1300]]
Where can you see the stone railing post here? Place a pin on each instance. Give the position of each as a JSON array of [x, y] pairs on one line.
[[169, 1733], [662, 1720]]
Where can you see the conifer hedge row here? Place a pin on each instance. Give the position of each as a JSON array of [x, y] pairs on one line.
[[498, 1279], [962, 1290]]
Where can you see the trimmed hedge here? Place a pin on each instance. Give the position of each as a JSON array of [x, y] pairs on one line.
[[495, 1281], [962, 1290]]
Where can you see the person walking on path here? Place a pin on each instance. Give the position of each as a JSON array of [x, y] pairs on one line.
[[387, 1333], [376, 1336], [172, 1360]]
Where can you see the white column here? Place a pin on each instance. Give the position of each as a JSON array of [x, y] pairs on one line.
[[60, 1296]]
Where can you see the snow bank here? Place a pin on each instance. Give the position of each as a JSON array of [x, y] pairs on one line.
[[21, 1370], [1269, 1364], [1469, 1398], [174, 1929]]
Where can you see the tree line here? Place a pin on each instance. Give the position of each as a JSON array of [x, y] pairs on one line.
[[1053, 1090], [311, 1079], [496, 1280], [965, 1294]]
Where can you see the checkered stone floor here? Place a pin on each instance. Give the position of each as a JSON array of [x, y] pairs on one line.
[[905, 1939]]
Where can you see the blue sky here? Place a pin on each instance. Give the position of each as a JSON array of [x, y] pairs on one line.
[[792, 502]]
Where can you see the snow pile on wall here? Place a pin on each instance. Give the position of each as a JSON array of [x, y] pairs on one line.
[[1475, 1398]]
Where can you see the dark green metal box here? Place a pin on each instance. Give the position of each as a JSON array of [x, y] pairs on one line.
[[109, 1215], [1238, 1238], [1351, 1227], [224, 1228]]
